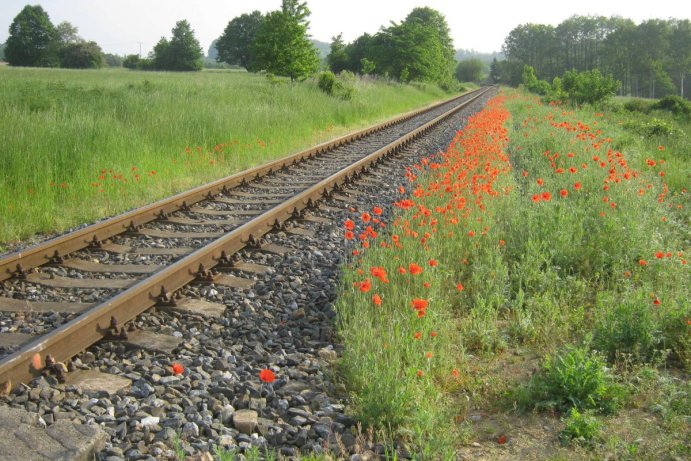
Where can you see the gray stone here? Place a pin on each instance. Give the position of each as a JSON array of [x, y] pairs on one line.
[[245, 421]]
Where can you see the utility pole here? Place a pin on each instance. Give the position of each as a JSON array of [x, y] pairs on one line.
[[140, 50]]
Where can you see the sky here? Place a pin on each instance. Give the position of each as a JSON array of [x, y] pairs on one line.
[[122, 26]]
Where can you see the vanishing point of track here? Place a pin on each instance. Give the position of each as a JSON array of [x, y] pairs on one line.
[[208, 224]]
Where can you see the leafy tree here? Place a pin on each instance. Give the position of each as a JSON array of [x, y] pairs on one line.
[[338, 57], [31, 39], [470, 70], [213, 50], [130, 61], [282, 46], [680, 53], [2, 51], [235, 45], [112, 60], [181, 53], [81, 55], [66, 34], [531, 82]]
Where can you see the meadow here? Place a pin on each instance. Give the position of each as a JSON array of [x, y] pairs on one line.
[[82, 145], [530, 298]]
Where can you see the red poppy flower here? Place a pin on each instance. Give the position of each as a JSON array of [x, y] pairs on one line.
[[459, 286], [433, 334], [536, 198], [563, 192], [376, 299], [365, 286], [540, 182], [417, 335], [656, 301], [366, 217], [267, 376], [432, 262], [419, 373], [455, 373], [546, 196], [349, 235], [577, 186], [178, 369], [349, 224], [659, 255], [419, 304], [377, 210], [401, 270], [414, 269]]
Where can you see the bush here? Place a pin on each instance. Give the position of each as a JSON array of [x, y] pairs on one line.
[[639, 105], [575, 378], [341, 87], [581, 429], [628, 328], [651, 127], [589, 87], [677, 105]]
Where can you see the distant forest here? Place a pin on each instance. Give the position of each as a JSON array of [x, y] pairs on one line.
[[650, 59]]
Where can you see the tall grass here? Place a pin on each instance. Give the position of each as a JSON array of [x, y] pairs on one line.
[[80, 145]]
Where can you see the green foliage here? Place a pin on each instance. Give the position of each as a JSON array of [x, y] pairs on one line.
[[643, 106], [627, 326], [340, 87], [677, 105], [509, 72], [31, 39], [581, 429], [113, 60], [366, 66], [470, 70], [131, 61], [281, 45], [2, 51], [576, 377], [81, 55], [338, 57], [531, 82], [235, 45], [181, 53], [651, 126], [588, 87]]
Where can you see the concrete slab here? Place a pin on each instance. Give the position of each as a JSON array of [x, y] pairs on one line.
[[94, 381], [275, 249], [151, 341], [250, 268], [232, 281], [25, 439], [197, 306], [301, 231]]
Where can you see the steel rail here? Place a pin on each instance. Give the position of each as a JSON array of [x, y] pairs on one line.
[[19, 263], [87, 329]]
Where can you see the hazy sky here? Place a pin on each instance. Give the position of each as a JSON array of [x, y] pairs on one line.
[[120, 25]]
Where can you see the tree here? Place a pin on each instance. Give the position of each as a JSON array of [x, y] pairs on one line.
[[282, 45], [66, 34], [112, 60], [680, 51], [81, 55], [470, 70], [235, 45], [2, 51], [337, 58], [181, 53], [31, 39]]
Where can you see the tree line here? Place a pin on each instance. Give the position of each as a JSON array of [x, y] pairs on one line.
[[650, 59]]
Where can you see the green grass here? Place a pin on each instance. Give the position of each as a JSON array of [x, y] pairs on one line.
[[569, 234], [81, 145]]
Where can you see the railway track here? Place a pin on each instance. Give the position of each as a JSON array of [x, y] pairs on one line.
[[93, 281], [214, 265]]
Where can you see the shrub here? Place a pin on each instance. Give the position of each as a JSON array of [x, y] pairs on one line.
[[589, 87], [581, 429], [677, 105], [629, 328], [341, 87], [651, 127], [576, 378], [639, 105]]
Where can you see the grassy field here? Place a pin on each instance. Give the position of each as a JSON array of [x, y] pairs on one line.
[[80, 145], [531, 300]]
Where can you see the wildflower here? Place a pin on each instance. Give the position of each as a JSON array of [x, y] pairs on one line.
[[459, 286], [659, 255], [433, 334], [178, 369], [577, 186], [417, 335], [546, 196], [365, 286], [432, 262], [401, 270], [414, 269], [421, 313], [563, 193], [349, 224], [426, 285], [642, 262], [656, 301], [471, 234], [455, 373], [376, 299], [380, 273], [366, 217], [267, 376], [377, 210], [419, 304], [501, 440], [419, 373], [428, 355], [536, 198], [349, 235], [540, 182]]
